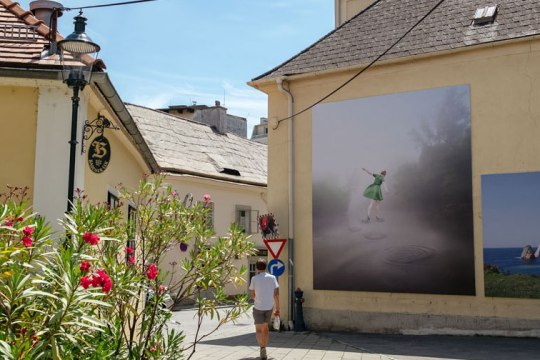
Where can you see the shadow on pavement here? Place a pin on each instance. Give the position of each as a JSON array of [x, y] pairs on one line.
[[443, 347]]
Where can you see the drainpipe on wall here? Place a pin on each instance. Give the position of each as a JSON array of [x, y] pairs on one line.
[[290, 240]]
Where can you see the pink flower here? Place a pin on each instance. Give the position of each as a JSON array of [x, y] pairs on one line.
[[9, 223], [131, 260], [152, 272], [28, 231], [162, 289], [174, 194], [90, 238], [85, 266], [129, 250], [27, 242], [206, 198], [85, 282]]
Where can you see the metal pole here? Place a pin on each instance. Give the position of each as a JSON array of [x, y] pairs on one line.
[[73, 144]]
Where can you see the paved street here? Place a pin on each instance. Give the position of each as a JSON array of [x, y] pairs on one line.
[[237, 342]]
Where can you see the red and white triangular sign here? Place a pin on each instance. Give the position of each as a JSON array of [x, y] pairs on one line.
[[275, 246]]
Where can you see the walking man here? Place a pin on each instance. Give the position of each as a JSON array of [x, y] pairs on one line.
[[264, 289]]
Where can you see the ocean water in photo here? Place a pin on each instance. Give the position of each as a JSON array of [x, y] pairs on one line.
[[508, 260]]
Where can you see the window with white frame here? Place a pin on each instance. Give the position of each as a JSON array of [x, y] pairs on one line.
[[247, 219]]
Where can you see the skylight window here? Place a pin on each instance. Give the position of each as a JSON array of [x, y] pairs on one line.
[[485, 15]]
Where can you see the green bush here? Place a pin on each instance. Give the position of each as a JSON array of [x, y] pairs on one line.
[[83, 294]]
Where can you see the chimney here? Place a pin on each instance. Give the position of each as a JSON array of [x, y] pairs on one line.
[[44, 10], [48, 12]]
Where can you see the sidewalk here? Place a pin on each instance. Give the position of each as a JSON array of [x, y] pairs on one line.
[[237, 342]]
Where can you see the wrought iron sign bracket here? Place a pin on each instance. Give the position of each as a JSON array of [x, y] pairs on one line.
[[96, 126]]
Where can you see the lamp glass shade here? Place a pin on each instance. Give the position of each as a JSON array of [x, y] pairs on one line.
[[78, 42]]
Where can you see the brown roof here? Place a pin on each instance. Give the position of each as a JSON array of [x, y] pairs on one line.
[[23, 38], [367, 35], [183, 146]]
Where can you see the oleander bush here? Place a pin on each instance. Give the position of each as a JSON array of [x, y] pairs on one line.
[[85, 294]]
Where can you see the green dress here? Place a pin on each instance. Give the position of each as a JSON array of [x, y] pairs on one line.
[[373, 191]]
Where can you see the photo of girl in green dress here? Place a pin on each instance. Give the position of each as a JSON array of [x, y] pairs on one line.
[[374, 193]]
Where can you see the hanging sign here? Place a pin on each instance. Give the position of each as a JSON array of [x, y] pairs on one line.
[[275, 246], [99, 154], [276, 267]]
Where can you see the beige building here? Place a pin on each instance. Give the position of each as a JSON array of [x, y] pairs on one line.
[[36, 120], [215, 116], [197, 160], [381, 52]]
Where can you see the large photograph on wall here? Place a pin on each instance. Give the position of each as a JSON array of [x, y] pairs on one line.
[[392, 193], [511, 234]]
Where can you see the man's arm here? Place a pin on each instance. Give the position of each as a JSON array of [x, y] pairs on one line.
[[252, 294], [276, 302]]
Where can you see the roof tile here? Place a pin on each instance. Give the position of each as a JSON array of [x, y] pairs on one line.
[[372, 31]]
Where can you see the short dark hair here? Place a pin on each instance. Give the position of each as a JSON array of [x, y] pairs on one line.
[[261, 264]]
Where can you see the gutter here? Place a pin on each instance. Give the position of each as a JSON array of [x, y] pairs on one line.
[[290, 141], [103, 84]]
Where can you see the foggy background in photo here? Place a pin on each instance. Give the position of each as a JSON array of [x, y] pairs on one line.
[[422, 241]]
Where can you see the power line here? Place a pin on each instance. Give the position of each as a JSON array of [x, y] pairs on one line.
[[106, 5], [367, 67]]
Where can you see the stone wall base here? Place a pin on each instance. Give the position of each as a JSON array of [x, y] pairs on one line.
[[418, 324]]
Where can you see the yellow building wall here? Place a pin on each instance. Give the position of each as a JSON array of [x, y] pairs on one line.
[[346, 9], [18, 108], [125, 167], [504, 88]]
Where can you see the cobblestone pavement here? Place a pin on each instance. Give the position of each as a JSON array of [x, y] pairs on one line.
[[237, 342]]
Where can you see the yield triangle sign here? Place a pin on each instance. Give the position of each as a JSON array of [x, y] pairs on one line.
[[275, 246]]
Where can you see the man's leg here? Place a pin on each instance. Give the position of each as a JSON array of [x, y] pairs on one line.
[[259, 334]]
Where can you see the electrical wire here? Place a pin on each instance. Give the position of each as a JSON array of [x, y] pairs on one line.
[[105, 5], [367, 66]]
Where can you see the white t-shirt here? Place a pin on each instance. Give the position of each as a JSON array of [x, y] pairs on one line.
[[264, 284]]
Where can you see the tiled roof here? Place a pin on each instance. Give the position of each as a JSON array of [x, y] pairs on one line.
[[187, 147], [367, 35], [23, 37]]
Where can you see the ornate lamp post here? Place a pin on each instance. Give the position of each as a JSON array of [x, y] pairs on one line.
[[76, 76]]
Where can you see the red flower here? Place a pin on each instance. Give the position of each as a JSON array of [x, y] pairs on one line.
[[152, 272], [28, 231], [85, 266], [129, 250], [9, 223], [85, 282], [20, 219], [103, 280], [96, 281], [131, 260], [90, 238], [27, 242]]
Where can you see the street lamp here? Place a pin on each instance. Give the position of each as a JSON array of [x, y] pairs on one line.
[[77, 70]]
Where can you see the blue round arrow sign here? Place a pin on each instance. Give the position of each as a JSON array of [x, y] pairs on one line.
[[276, 267]]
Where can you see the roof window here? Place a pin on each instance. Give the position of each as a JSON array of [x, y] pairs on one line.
[[230, 171], [485, 15]]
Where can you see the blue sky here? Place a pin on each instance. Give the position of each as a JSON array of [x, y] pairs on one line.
[[511, 209], [174, 52]]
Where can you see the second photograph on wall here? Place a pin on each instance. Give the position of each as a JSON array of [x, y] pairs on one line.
[[392, 193]]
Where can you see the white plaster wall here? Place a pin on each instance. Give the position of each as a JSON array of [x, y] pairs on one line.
[[52, 151]]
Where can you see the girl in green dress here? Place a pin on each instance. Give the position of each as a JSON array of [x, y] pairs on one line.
[[374, 193]]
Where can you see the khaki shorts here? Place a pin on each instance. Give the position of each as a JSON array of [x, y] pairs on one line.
[[262, 316]]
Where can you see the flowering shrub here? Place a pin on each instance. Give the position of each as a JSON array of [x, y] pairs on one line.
[[84, 294]]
